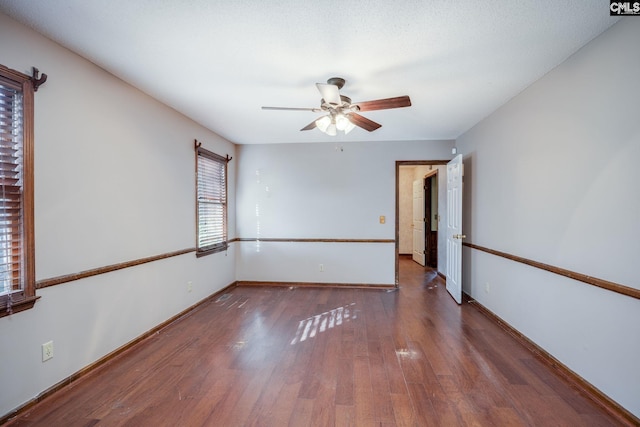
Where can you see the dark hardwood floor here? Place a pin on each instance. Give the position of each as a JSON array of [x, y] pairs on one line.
[[277, 356]]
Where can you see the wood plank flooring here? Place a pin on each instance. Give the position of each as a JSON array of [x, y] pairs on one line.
[[277, 356]]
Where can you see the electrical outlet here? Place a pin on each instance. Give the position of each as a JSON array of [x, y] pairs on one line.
[[189, 286], [487, 288], [47, 351], [383, 219], [321, 267]]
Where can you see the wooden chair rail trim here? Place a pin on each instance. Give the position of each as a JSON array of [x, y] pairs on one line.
[[107, 269], [108, 357], [583, 386], [256, 239], [44, 283], [601, 283], [315, 285]]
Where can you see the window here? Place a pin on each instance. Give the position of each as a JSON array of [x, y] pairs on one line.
[[17, 271], [211, 202]]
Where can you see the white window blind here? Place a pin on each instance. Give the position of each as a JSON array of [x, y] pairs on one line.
[[11, 191], [211, 201]]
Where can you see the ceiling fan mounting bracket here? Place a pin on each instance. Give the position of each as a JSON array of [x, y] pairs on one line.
[[337, 81]]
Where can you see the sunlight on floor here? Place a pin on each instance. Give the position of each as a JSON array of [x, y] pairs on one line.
[[309, 327]]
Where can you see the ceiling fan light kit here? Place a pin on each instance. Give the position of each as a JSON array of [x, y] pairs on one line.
[[344, 124], [342, 115], [331, 124], [326, 125]]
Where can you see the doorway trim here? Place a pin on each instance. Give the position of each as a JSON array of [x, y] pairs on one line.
[[397, 239]]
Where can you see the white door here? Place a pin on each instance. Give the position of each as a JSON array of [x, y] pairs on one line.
[[418, 222], [455, 171]]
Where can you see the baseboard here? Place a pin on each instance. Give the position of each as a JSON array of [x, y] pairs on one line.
[[583, 386], [315, 285], [107, 358]]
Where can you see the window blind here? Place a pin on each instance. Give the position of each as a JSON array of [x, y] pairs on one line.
[[11, 182], [211, 201]]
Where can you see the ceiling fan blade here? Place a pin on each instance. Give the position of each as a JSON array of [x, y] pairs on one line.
[[310, 126], [384, 104], [315, 110], [330, 93], [363, 122]]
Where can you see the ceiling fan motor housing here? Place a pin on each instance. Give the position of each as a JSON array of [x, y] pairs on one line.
[[345, 105]]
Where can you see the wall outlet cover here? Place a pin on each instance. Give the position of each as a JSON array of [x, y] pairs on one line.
[[47, 351]]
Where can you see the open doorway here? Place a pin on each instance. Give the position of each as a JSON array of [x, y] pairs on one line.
[[431, 218], [424, 215], [432, 177]]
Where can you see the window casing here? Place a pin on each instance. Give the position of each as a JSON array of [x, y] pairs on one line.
[[211, 202], [17, 270]]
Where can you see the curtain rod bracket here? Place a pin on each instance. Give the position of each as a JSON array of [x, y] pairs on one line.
[[199, 144], [37, 81]]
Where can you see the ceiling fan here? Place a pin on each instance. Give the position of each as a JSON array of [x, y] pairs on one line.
[[341, 114]]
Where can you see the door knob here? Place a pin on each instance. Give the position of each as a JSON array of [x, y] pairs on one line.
[[459, 236]]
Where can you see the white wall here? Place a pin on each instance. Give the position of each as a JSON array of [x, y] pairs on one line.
[[405, 209], [581, 212], [301, 191], [114, 182]]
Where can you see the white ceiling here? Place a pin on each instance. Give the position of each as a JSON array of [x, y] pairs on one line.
[[218, 61]]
